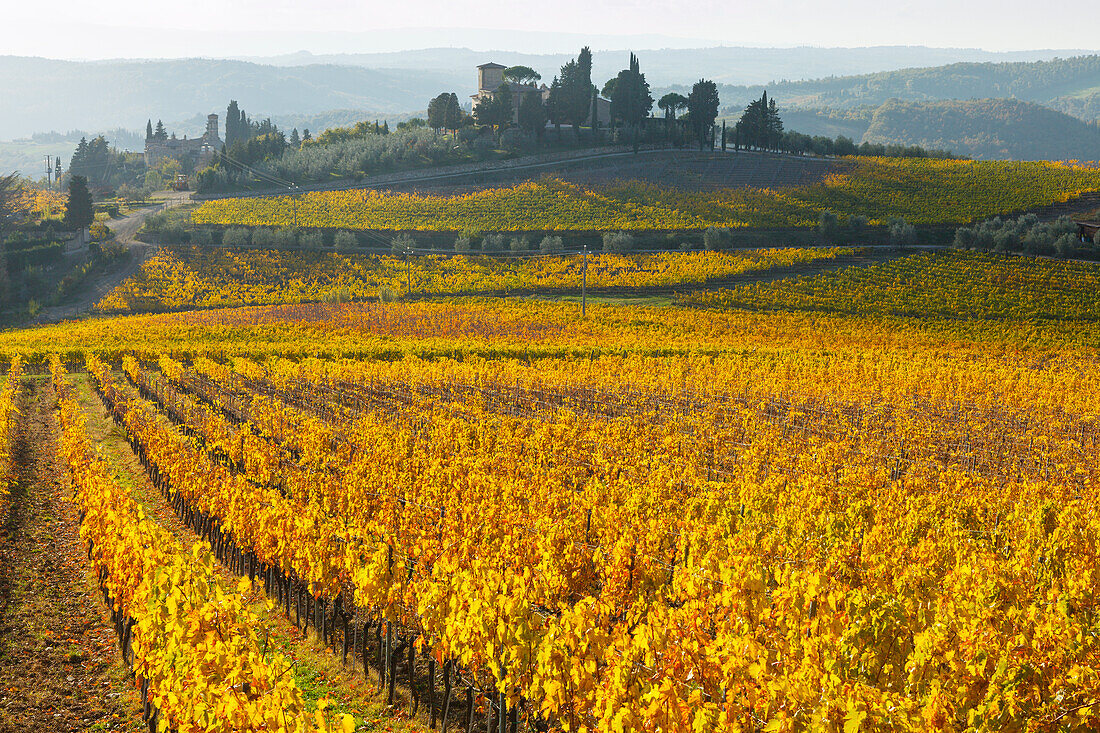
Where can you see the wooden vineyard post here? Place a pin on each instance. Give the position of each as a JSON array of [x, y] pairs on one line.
[[431, 688], [344, 624], [412, 676], [365, 652], [447, 688], [381, 654], [469, 709]]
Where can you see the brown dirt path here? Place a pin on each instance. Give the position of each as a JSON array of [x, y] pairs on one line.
[[60, 669]]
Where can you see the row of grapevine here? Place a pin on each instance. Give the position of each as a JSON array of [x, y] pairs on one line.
[[9, 412], [922, 190], [191, 641], [203, 277], [593, 592]]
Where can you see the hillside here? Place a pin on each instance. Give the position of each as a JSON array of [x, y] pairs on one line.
[[1070, 85], [986, 128], [124, 93], [665, 66], [109, 94]]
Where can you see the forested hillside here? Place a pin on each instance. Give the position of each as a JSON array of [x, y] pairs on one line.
[[986, 128], [1070, 85]]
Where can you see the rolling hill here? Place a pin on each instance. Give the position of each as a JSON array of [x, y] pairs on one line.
[[44, 94], [1070, 85], [986, 128]]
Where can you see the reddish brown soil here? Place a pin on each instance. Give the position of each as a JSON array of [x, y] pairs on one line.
[[60, 669]]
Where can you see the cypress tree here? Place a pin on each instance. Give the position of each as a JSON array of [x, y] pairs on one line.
[[79, 212]]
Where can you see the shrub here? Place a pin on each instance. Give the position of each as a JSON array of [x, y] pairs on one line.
[[339, 294], [857, 227], [236, 237], [716, 238], [492, 243], [285, 238], [964, 238], [462, 244], [550, 245], [263, 237], [828, 227], [311, 240], [402, 245], [617, 242], [1066, 245], [345, 240], [902, 233], [519, 244], [202, 235], [100, 232]]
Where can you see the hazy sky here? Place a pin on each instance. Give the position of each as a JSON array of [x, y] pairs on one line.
[[120, 28]]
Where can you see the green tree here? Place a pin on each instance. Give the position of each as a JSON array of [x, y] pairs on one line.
[[572, 98], [672, 103], [703, 108], [79, 212], [828, 227], [149, 130], [630, 98], [495, 110], [437, 111], [295, 139], [11, 187], [521, 75], [453, 115], [233, 117], [532, 114]]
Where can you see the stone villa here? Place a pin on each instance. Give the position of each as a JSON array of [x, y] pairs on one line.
[[491, 75], [199, 151]]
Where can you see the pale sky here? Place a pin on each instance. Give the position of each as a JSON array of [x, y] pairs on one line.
[[147, 28]]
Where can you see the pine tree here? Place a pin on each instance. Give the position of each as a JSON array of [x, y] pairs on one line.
[[160, 133], [306, 137], [295, 140]]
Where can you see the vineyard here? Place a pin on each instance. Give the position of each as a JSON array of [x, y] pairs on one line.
[[193, 277], [966, 284], [858, 501], [922, 190]]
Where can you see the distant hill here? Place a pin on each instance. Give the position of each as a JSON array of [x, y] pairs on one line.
[[43, 94], [986, 128], [667, 66], [1070, 85]]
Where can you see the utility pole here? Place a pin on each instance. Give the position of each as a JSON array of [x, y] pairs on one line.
[[294, 199], [584, 282], [49, 173]]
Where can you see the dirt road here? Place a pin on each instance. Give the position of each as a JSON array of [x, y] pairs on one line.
[[125, 230]]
